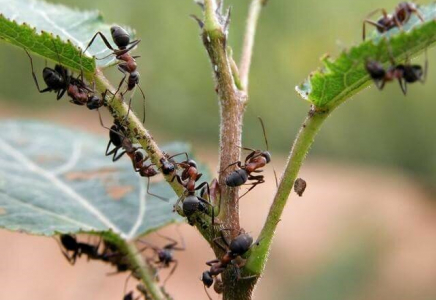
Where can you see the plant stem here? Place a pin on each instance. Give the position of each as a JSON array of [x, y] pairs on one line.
[[250, 33], [145, 272], [305, 138]]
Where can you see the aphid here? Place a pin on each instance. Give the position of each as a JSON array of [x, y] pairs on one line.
[[300, 186], [401, 15]]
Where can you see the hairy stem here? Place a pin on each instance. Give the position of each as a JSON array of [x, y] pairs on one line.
[[144, 272], [305, 138], [250, 33]]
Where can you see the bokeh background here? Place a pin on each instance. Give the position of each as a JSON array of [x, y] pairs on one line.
[[366, 227]]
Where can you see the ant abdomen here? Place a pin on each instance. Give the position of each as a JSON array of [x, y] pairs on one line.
[[375, 70], [53, 79], [120, 36], [237, 178], [241, 244], [191, 205]]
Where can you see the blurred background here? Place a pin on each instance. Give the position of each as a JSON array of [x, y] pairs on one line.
[[365, 228]]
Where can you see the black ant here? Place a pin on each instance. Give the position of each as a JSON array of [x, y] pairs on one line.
[[404, 73], [129, 296], [69, 243], [164, 257], [168, 165], [118, 137], [402, 14], [60, 81], [122, 39], [236, 248], [256, 160]]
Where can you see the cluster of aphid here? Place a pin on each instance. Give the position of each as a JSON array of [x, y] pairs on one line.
[[199, 201], [405, 73]]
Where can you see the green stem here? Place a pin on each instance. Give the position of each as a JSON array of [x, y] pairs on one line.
[[259, 252], [145, 272]]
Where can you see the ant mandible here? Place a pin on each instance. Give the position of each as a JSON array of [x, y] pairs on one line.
[[256, 160], [401, 15], [122, 39], [165, 255], [404, 73]]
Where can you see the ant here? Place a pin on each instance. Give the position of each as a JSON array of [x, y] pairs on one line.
[[402, 14], [168, 164], [233, 250], [129, 296], [404, 73], [122, 39], [60, 81], [256, 160], [70, 243], [165, 255], [117, 137]]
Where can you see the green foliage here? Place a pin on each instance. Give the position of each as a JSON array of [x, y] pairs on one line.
[[343, 77], [34, 24], [56, 180]]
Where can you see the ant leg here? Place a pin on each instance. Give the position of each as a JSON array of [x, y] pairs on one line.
[[424, 78], [34, 75], [179, 180], [122, 81], [253, 185], [367, 20], [70, 259], [133, 44], [403, 86], [210, 263], [104, 40], [148, 192], [207, 293], [238, 163], [187, 158], [115, 158], [143, 103], [61, 93], [171, 272]]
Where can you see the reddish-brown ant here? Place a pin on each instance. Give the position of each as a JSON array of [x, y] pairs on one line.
[[122, 39], [404, 73], [256, 160], [118, 138], [401, 15], [60, 81], [164, 257], [233, 250]]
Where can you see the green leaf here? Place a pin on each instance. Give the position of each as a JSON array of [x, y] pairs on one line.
[[34, 24], [56, 180], [341, 78]]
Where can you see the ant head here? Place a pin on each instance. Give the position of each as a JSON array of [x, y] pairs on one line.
[[53, 78], [69, 241], [241, 244], [167, 166], [138, 156], [120, 36], [413, 73], [128, 296], [267, 156], [165, 256], [207, 279], [93, 103], [375, 69]]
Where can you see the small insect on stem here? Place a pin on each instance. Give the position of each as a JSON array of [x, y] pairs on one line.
[[401, 15], [127, 64], [300, 186], [254, 163]]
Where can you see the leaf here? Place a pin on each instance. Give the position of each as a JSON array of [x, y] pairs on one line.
[[33, 24], [341, 78], [56, 180]]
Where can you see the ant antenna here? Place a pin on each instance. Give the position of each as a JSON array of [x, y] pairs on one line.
[[267, 148], [208, 296]]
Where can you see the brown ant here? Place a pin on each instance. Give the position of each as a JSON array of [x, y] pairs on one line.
[[233, 250], [60, 81], [118, 138], [401, 15], [256, 160], [122, 39], [164, 257], [404, 73], [168, 165]]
